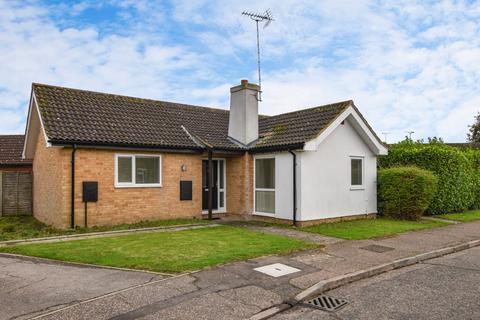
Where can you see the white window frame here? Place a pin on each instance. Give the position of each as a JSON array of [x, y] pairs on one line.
[[358, 186], [255, 189], [133, 184]]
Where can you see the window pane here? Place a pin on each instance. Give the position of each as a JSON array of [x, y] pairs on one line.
[[147, 170], [265, 201], [265, 173], [124, 173], [356, 172]]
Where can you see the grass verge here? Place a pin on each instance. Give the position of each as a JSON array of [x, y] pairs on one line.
[[176, 251], [462, 216], [26, 227], [370, 228]]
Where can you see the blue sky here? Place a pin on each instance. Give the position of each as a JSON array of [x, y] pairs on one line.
[[408, 65]]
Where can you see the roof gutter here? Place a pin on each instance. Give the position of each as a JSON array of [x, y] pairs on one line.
[[106, 146], [286, 147], [16, 164], [96, 145], [294, 174]]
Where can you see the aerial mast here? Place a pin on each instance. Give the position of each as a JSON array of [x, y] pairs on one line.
[[259, 17]]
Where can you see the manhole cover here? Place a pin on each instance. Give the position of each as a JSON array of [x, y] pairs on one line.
[[377, 248], [277, 270], [327, 303]]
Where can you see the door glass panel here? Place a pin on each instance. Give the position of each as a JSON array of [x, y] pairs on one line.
[[220, 172], [222, 200], [265, 201], [204, 174]]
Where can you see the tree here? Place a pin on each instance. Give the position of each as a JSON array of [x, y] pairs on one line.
[[435, 140], [474, 134]]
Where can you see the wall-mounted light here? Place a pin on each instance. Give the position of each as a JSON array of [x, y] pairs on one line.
[[183, 167]]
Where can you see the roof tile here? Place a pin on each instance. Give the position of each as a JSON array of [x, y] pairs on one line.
[[11, 148], [72, 115]]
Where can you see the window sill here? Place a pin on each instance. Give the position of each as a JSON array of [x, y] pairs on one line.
[[352, 188], [265, 214]]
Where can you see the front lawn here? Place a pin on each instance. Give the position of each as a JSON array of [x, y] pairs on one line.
[[175, 251], [26, 227], [370, 228], [462, 216]]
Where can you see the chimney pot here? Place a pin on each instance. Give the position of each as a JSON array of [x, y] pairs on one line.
[[244, 82]]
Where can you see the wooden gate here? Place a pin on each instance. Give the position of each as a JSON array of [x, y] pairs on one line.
[[15, 193]]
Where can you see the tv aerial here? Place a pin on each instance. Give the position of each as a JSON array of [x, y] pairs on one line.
[[259, 17]]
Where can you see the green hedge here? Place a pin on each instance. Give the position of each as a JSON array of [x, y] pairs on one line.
[[474, 156], [405, 192], [453, 168]]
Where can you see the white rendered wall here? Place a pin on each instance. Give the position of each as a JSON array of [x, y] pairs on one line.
[[283, 185], [325, 177], [243, 119]]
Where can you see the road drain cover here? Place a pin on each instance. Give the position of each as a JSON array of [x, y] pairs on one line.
[[377, 248], [327, 303]]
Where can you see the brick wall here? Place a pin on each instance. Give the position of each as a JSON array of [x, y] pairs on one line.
[[52, 183], [128, 205], [50, 171], [239, 184]]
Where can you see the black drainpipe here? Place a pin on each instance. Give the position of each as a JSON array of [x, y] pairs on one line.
[[210, 183], [72, 206], [294, 187]]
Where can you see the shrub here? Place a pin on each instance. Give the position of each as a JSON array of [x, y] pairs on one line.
[[452, 167], [474, 156], [405, 192]]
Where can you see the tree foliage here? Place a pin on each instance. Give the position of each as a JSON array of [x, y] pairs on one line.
[[474, 130]]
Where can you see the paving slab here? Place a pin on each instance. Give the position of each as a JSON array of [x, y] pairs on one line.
[[288, 232]]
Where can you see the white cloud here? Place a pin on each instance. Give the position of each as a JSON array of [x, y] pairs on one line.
[[34, 49], [408, 65]]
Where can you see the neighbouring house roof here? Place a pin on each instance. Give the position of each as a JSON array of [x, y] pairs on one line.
[[93, 118], [11, 147]]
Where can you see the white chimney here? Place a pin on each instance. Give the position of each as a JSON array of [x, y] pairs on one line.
[[243, 124]]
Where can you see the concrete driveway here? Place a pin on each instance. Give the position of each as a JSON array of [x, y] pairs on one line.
[[442, 288], [29, 286]]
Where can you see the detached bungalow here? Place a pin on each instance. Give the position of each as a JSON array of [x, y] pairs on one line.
[[152, 159]]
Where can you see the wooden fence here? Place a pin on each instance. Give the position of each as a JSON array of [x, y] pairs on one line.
[[15, 193]]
